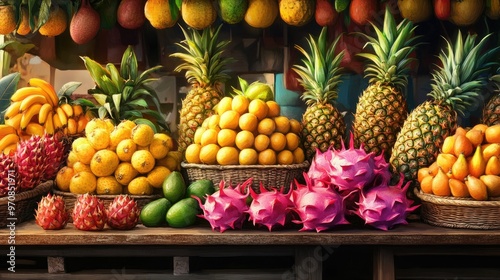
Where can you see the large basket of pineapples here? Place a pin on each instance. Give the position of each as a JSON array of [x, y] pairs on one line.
[[20, 207]]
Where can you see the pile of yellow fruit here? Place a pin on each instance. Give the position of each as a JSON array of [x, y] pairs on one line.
[[468, 165], [127, 158], [246, 132]]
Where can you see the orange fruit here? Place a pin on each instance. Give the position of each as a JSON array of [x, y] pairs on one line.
[[475, 136], [492, 134], [244, 139], [261, 142], [448, 143], [278, 141], [266, 126], [248, 156], [480, 126], [274, 109], [458, 188], [282, 124], [267, 157], [285, 157], [259, 108], [440, 184], [248, 121], [192, 153], [208, 153], [229, 119], [213, 121], [462, 145], [295, 126], [292, 141], [209, 137], [224, 105], [226, 137], [298, 156], [426, 184], [492, 183], [227, 156], [477, 188], [445, 161], [197, 134], [240, 104]]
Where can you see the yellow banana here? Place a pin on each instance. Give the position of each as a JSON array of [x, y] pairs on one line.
[[72, 126], [15, 121], [35, 129], [12, 110], [22, 93], [6, 129], [30, 100], [77, 110], [62, 116], [29, 114], [8, 140], [68, 109], [11, 148], [56, 121], [44, 113], [49, 124], [47, 88]]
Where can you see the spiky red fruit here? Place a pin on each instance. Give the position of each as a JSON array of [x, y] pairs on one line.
[[54, 155], [8, 174], [89, 213], [30, 161], [270, 208], [123, 213], [51, 212], [226, 208]]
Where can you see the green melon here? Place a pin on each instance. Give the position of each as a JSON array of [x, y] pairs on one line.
[[232, 11]]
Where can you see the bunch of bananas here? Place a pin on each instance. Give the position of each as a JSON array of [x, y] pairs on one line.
[[36, 110], [8, 138]]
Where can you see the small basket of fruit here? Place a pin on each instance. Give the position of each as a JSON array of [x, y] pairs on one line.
[[461, 189]]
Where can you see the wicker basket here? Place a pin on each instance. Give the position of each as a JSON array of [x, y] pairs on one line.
[[70, 199], [25, 204], [459, 212], [269, 175]]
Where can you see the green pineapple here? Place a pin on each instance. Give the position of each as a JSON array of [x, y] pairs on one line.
[[124, 94], [323, 124], [491, 112], [382, 108], [205, 71], [456, 87]]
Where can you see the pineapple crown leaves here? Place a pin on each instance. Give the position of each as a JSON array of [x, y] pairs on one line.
[[463, 73], [256, 90], [392, 46], [124, 93], [320, 73], [203, 60]]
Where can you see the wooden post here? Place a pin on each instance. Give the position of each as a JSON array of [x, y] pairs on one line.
[[383, 263], [181, 265], [309, 263], [56, 265]]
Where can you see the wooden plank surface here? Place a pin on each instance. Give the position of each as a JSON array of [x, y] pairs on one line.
[[415, 233]]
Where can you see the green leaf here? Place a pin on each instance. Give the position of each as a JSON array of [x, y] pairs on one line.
[[102, 112], [8, 85], [96, 71], [138, 102], [84, 102], [174, 6], [43, 15], [115, 76], [16, 48], [132, 114], [68, 88], [108, 108], [148, 122], [100, 98], [127, 91], [116, 100]]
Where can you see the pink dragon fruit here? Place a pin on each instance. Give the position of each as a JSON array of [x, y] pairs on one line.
[[348, 170], [319, 208], [30, 161], [384, 206], [270, 208], [54, 155], [227, 207]]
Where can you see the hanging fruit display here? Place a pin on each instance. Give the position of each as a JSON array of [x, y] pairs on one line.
[[198, 14], [416, 10], [161, 14], [466, 12], [261, 13], [296, 12]]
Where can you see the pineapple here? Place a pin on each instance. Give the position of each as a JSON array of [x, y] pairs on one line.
[[382, 108], [456, 87], [124, 94], [205, 71], [491, 112], [323, 124]]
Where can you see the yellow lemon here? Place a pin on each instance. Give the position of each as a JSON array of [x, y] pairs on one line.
[[208, 154], [226, 137], [142, 134], [125, 149], [267, 157], [248, 156], [259, 108], [83, 182], [261, 142], [266, 126], [108, 185], [198, 133], [157, 176], [244, 139], [240, 104], [125, 172], [229, 119], [248, 121], [140, 186], [224, 105], [227, 156], [192, 153], [209, 137], [285, 157], [143, 161]]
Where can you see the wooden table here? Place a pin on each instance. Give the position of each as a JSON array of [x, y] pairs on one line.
[[308, 248]]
